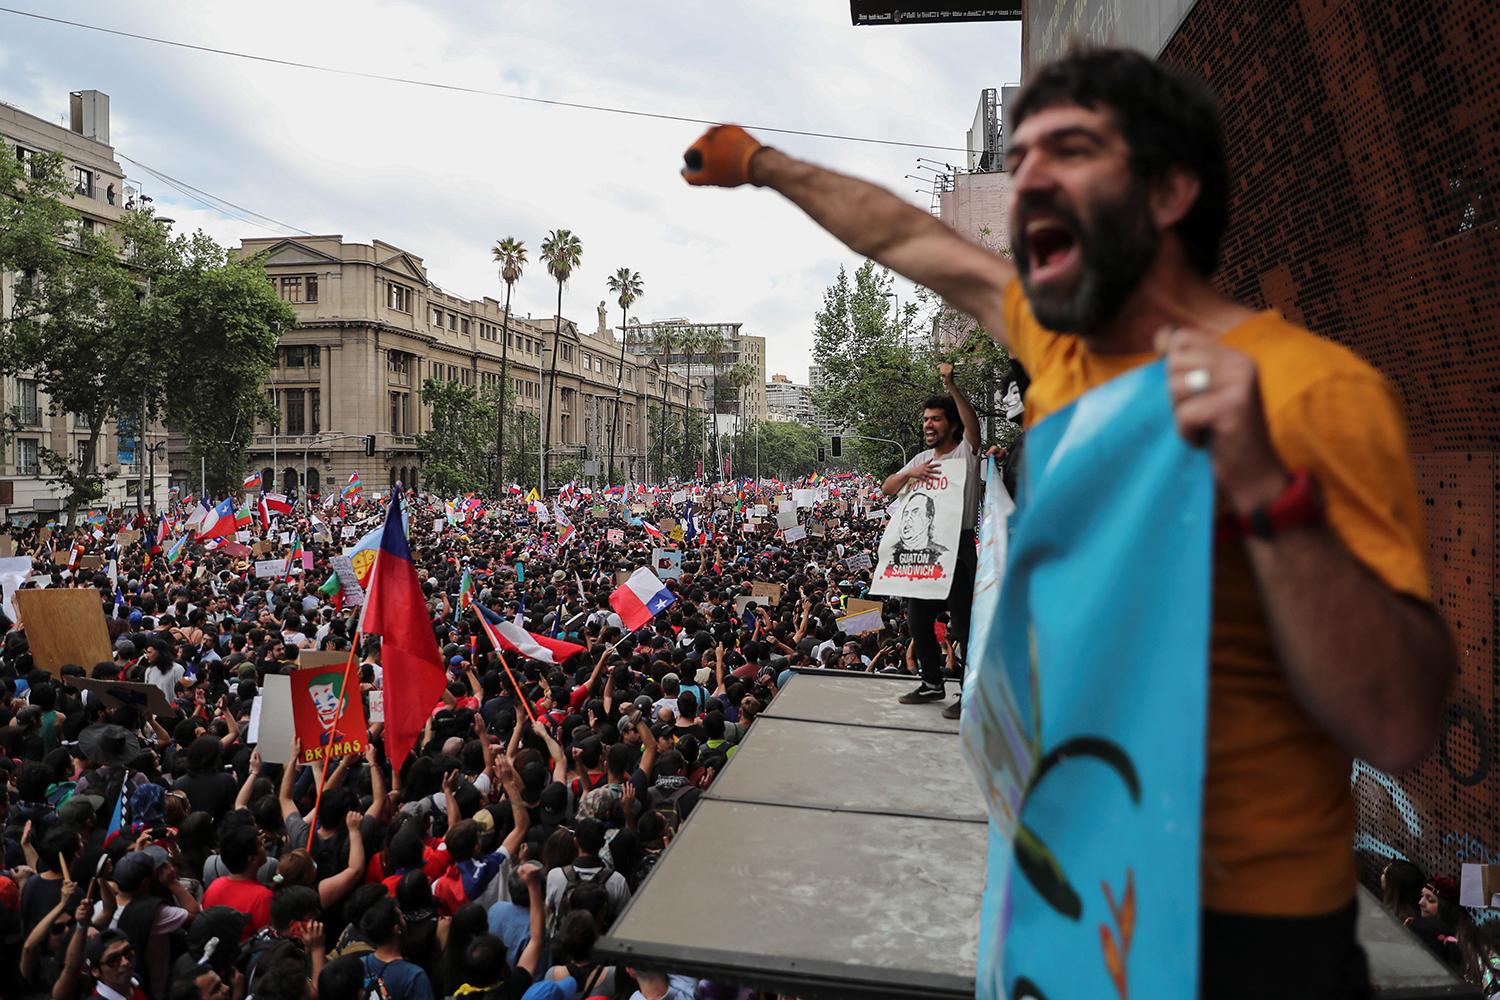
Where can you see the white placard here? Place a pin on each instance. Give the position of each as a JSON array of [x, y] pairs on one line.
[[269, 567], [354, 594], [276, 726], [785, 505], [919, 547], [794, 534], [760, 510], [438, 522], [377, 706], [679, 498], [786, 519], [347, 531], [804, 498], [242, 536], [865, 621], [667, 563]]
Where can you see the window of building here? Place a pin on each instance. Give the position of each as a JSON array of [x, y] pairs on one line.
[[292, 289], [296, 413], [26, 461], [315, 357], [453, 321], [83, 182], [567, 353], [31, 411], [437, 317], [295, 357], [398, 297], [463, 326], [395, 413], [315, 407]]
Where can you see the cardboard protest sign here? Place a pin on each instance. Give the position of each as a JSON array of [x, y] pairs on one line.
[[816, 529], [127, 538], [7, 546], [262, 547], [861, 617], [919, 547], [666, 524], [330, 721], [599, 512], [61, 557], [638, 509], [90, 562], [667, 563], [119, 694], [615, 536], [786, 519], [767, 593], [269, 567], [271, 725], [64, 626]]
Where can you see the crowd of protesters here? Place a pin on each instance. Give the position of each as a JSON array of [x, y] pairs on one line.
[[158, 855], [1430, 907]]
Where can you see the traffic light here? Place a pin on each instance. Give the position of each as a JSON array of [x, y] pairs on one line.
[[821, 456], [370, 445], [838, 446]]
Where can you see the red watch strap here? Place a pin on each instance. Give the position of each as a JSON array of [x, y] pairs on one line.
[[1298, 505]]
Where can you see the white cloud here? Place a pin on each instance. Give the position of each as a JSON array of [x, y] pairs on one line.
[[445, 174]]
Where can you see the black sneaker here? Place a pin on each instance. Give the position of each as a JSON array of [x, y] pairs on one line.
[[955, 710], [922, 695]]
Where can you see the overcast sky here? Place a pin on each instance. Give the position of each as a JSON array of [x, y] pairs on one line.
[[444, 175]]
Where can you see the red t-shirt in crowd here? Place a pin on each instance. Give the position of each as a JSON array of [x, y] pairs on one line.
[[246, 895]]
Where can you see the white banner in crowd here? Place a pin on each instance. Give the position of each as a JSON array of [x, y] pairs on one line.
[[919, 548]]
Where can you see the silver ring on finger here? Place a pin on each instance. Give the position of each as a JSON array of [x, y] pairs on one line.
[[1196, 380]]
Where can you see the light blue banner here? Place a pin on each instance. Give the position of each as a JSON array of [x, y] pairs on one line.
[[1088, 698]]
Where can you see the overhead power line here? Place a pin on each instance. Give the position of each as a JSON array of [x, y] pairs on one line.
[[460, 89], [216, 204]]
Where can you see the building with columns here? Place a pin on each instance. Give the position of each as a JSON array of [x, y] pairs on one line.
[[373, 326]]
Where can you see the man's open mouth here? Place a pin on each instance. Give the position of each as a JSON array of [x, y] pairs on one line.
[[1051, 247]]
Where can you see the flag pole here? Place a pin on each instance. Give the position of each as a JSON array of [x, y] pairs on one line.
[[312, 826]]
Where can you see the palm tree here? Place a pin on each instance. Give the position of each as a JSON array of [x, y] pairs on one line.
[[627, 284], [562, 252], [710, 341], [665, 340], [510, 254], [740, 375]]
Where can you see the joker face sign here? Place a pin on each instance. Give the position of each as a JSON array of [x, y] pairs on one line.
[[325, 690]]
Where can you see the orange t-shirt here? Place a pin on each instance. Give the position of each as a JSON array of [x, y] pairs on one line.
[[1278, 815]]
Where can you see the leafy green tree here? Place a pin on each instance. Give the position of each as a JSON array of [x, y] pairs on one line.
[[879, 367], [458, 453], [219, 320], [510, 254], [786, 450], [628, 287], [562, 252], [111, 322]]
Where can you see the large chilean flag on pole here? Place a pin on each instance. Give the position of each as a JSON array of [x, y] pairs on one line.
[[396, 611], [640, 598]]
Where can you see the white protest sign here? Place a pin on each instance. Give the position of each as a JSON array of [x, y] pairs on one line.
[[438, 522], [242, 536], [794, 534], [377, 707], [786, 519], [804, 498], [760, 510], [269, 567], [354, 594], [667, 563], [347, 531], [861, 561], [679, 498], [274, 735], [919, 547], [782, 506], [13, 573], [286, 538]]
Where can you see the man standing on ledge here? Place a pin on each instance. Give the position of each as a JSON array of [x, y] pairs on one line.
[[1324, 641], [950, 427]]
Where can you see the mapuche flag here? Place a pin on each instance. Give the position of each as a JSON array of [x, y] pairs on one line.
[[396, 610]]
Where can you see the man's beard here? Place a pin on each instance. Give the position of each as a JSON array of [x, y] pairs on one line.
[[1115, 248]]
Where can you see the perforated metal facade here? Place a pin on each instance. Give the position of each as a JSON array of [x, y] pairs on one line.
[[1365, 145]]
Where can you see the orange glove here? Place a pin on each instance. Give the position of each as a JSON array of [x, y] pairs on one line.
[[721, 157]]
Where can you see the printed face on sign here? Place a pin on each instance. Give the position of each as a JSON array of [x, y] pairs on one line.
[[916, 522], [325, 690]]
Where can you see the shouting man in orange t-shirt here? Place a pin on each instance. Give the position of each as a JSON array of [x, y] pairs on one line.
[[1325, 644]]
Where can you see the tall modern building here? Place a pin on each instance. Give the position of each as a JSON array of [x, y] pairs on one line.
[[100, 196], [789, 402], [713, 350], [373, 326]]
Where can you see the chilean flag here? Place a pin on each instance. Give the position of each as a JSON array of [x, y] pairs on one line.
[[640, 598], [653, 531], [252, 482], [509, 635], [397, 611], [219, 522]]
